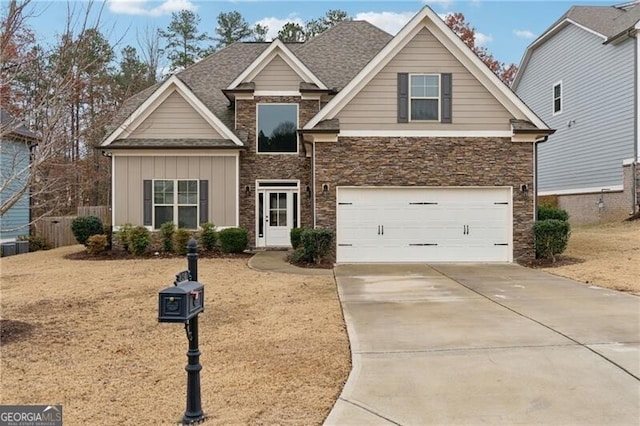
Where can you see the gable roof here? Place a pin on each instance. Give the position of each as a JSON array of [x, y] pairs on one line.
[[15, 127], [607, 22], [334, 57], [276, 48], [470, 60], [171, 85]]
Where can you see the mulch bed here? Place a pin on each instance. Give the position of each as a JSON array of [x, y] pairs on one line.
[[560, 261], [123, 255]]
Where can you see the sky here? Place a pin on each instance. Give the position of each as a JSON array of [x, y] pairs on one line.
[[505, 28]]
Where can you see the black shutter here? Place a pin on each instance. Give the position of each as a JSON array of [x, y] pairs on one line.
[[204, 201], [403, 97], [147, 198], [445, 114]]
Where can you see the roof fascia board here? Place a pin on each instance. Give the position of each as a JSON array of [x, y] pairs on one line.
[[456, 46], [172, 84], [276, 48]]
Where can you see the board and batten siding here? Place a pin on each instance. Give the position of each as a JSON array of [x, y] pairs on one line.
[[131, 171], [375, 106], [14, 157], [277, 76], [174, 118], [597, 98]]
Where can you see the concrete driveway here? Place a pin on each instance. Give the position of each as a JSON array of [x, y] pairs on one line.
[[486, 344]]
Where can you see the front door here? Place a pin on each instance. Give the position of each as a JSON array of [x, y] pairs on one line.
[[277, 214]]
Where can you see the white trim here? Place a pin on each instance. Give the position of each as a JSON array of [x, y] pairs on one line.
[[543, 38], [276, 48], [178, 153], [237, 190], [438, 98], [553, 98], [276, 93], [172, 84], [628, 161], [577, 191], [473, 64], [176, 204], [313, 186], [113, 190], [428, 133], [297, 151], [262, 242], [637, 79]]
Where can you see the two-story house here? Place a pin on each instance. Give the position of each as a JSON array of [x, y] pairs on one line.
[[409, 148], [581, 77]]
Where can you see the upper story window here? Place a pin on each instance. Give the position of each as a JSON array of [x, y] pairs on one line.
[[424, 97], [277, 128], [175, 201], [557, 98]]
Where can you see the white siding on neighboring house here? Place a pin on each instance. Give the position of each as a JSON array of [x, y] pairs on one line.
[[595, 130], [375, 106], [277, 76], [175, 118]]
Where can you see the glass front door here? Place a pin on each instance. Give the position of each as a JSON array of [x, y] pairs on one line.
[[277, 214]]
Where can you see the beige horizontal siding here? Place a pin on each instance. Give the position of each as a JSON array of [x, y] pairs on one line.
[[175, 118], [131, 171], [375, 107], [277, 75]]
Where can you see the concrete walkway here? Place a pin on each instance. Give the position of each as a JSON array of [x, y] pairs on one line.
[[486, 344]]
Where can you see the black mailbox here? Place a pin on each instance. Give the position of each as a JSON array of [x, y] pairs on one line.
[[181, 302]]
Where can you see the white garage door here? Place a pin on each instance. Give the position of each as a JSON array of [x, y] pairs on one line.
[[424, 224]]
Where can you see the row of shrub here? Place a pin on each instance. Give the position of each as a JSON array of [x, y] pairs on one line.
[[310, 245], [137, 240], [551, 231]]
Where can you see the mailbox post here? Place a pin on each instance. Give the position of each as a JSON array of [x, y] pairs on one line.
[[183, 303]]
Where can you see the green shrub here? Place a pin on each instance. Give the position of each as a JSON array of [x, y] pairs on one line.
[[316, 244], [208, 237], [180, 240], [139, 240], [296, 237], [233, 240], [122, 236], [37, 243], [167, 230], [547, 211], [85, 226], [297, 256], [552, 237], [97, 244]]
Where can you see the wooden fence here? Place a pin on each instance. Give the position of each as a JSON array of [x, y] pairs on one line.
[[57, 229]]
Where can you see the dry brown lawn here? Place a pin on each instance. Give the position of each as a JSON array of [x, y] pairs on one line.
[[606, 255], [274, 348]]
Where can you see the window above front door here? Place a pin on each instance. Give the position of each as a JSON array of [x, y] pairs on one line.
[[277, 128]]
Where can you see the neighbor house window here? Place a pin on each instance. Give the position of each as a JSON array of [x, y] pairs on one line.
[[277, 128], [557, 98], [175, 201], [424, 97]]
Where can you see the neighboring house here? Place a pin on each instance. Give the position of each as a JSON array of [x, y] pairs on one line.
[[15, 149], [408, 147], [581, 77]]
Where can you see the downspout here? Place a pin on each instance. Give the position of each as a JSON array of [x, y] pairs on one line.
[[636, 149]]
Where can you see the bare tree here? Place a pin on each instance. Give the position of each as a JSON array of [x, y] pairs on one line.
[[150, 51], [62, 95]]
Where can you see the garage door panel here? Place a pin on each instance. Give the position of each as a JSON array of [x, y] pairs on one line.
[[424, 224]]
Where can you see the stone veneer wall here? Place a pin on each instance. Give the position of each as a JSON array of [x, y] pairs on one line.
[[378, 161], [272, 166]]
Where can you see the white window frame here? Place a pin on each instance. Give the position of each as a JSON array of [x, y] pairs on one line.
[[175, 204], [553, 98], [297, 126], [438, 98]]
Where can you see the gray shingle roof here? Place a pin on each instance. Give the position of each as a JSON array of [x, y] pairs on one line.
[[606, 20], [334, 56], [173, 143], [7, 119]]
